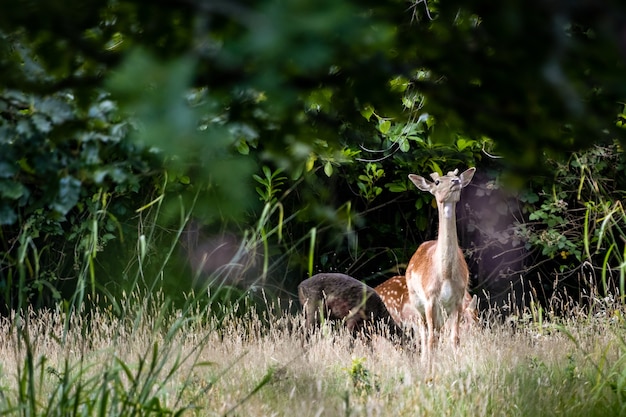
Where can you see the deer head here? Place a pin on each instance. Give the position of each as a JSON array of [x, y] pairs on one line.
[[446, 188]]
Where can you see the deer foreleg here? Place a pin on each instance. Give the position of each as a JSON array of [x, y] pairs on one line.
[[429, 341], [454, 327]]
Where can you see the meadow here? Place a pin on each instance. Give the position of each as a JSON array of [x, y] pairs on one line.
[[154, 360]]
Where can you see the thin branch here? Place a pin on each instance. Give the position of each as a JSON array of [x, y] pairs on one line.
[[373, 151], [414, 7], [376, 151], [491, 155], [380, 206]]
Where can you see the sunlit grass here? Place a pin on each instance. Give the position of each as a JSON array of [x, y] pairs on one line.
[[257, 366]]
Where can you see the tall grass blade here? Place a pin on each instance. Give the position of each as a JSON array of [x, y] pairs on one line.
[[312, 242], [605, 268]]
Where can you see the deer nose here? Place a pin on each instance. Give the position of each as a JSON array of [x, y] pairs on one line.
[[456, 181]]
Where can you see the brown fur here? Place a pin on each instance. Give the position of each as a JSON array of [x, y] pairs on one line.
[[341, 297], [395, 294], [437, 274]]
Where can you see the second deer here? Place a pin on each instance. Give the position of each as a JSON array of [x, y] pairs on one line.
[[337, 296], [437, 274]]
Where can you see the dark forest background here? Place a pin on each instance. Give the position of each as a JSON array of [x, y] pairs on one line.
[[178, 145]]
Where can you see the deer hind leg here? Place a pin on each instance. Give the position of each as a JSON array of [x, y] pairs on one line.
[[423, 341]]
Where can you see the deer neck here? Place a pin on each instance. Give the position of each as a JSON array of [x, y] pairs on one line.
[[447, 241]]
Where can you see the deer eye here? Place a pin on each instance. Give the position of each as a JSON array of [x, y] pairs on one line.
[[437, 182]]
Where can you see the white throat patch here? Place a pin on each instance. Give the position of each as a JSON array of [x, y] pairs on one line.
[[447, 210]]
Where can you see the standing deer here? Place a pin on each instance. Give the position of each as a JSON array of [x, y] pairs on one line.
[[341, 297], [395, 294], [437, 274]]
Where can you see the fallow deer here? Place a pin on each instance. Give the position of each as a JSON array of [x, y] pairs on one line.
[[341, 297], [437, 274], [395, 294]]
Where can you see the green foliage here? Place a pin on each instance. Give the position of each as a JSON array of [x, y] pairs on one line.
[[196, 143], [272, 184], [68, 178], [553, 239], [46, 166], [293, 52], [361, 378], [607, 372], [367, 182], [118, 106], [577, 221]]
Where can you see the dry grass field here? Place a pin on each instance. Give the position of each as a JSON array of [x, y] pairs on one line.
[[153, 363]]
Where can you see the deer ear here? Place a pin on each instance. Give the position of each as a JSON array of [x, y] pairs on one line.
[[466, 176], [420, 182]]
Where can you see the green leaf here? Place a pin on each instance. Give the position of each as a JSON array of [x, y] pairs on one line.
[[7, 215], [24, 166], [384, 126], [404, 144], [67, 197], [367, 111], [328, 169], [11, 189], [242, 147], [57, 110], [42, 123], [396, 187], [7, 170], [435, 166], [261, 192], [462, 144], [399, 84], [529, 197]]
